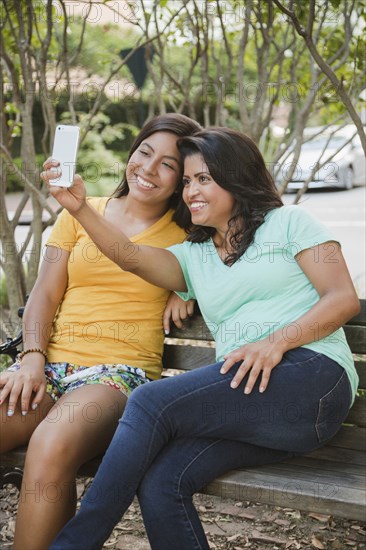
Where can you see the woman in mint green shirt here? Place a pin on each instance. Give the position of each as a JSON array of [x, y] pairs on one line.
[[274, 289]]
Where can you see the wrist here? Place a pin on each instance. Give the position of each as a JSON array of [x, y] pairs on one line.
[[281, 342], [37, 352], [83, 210]]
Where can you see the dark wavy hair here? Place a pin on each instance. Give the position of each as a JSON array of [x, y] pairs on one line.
[[236, 164], [177, 124]]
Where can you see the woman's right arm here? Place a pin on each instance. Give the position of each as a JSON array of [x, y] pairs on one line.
[[38, 316], [156, 265]]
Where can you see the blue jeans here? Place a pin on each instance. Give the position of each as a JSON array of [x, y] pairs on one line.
[[178, 434]]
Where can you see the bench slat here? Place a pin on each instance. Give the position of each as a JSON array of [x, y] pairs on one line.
[[194, 328], [342, 455], [187, 357], [357, 414], [350, 437], [318, 464], [356, 338], [276, 489], [359, 319], [361, 371], [322, 475]]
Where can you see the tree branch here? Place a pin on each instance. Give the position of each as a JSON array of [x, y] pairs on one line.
[[33, 190], [327, 70]]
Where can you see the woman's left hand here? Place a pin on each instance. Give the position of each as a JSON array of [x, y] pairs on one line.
[[177, 310], [258, 358]]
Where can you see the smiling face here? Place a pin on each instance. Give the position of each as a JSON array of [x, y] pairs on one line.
[[153, 171], [210, 205]]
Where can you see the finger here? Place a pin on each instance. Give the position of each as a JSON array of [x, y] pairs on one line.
[[52, 174], [240, 373], [166, 320], [39, 396], [266, 374], [183, 313], [48, 163], [5, 391], [78, 181], [190, 307], [4, 378], [13, 398], [25, 398], [177, 321], [253, 376], [230, 360]]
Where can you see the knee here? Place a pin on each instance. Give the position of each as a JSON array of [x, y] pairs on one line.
[[139, 405], [140, 395], [151, 398], [47, 453]]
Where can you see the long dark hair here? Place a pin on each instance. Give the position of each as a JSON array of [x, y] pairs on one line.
[[236, 164], [177, 124]]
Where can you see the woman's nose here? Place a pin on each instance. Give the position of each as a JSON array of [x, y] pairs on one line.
[[150, 166], [192, 190]]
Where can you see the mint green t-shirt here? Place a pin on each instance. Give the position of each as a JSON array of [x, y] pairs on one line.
[[265, 290]]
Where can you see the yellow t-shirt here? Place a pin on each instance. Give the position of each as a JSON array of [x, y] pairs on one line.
[[108, 315]]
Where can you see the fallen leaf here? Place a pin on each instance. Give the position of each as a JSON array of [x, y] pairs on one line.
[[233, 537], [282, 522], [262, 537], [317, 543], [110, 543], [294, 514], [336, 545], [319, 517]]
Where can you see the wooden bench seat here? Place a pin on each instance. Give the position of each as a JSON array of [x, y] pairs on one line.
[[331, 480]]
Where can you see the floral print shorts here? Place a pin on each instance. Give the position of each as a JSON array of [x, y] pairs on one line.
[[65, 377]]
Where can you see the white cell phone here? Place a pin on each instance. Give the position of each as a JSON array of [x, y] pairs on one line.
[[65, 148]]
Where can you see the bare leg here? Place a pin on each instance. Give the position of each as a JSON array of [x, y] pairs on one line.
[[78, 428], [16, 430]]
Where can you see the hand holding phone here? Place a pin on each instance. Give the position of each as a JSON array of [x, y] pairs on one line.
[[65, 149]]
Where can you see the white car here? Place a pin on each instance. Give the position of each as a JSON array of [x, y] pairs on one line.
[[344, 170]]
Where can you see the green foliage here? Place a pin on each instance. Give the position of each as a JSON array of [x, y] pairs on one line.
[[4, 303], [12, 112], [5, 362], [13, 183], [102, 44]]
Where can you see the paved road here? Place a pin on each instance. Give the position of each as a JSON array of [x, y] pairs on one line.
[[342, 211]]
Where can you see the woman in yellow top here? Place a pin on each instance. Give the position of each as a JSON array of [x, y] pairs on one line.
[[89, 329]]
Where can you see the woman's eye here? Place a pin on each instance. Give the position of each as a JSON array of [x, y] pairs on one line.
[[185, 182], [144, 152], [203, 179], [168, 165]]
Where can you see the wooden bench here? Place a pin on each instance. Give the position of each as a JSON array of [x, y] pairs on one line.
[[330, 480]]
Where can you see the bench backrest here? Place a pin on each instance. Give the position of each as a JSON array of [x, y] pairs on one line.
[[193, 347]]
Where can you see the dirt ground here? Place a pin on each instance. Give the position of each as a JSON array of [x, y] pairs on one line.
[[229, 525]]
